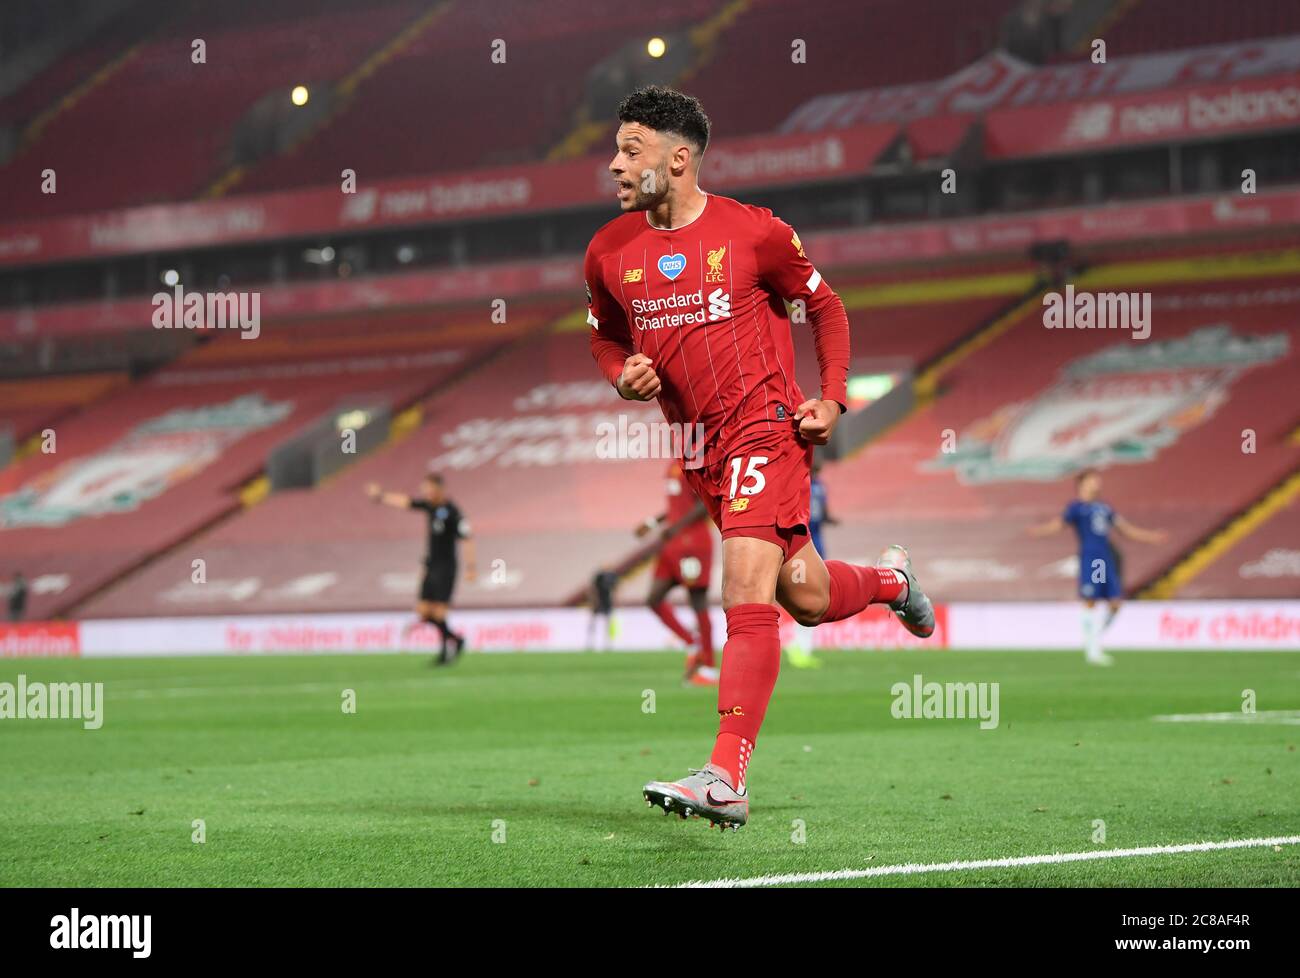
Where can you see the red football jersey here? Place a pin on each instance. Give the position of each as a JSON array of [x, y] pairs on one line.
[[704, 303]]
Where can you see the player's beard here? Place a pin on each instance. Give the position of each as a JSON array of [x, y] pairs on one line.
[[648, 200]]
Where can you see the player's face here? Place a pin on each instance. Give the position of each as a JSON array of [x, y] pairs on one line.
[[432, 492], [1090, 488], [640, 167]]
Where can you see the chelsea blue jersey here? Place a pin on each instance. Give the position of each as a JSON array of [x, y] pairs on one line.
[[1092, 524]]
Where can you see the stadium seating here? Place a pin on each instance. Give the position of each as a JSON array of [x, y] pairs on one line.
[[516, 443], [521, 466], [172, 144], [176, 447], [166, 141], [1265, 563], [909, 317], [1166, 25], [1011, 402], [29, 406], [329, 548], [899, 41], [76, 66], [503, 116]]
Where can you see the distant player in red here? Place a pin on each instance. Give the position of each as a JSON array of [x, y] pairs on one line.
[[685, 559], [686, 303]]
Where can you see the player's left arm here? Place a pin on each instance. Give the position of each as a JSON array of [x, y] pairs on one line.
[[1130, 532], [468, 548], [787, 271]]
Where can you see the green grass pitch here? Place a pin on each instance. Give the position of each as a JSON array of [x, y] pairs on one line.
[[549, 752]]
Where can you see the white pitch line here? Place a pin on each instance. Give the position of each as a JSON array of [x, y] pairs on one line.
[[1263, 716], [908, 869]]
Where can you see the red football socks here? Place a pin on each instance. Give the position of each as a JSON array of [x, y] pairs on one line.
[[706, 637], [666, 615], [751, 660], [854, 587]]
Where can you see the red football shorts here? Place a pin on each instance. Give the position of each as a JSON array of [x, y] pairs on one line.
[[760, 488], [687, 558]]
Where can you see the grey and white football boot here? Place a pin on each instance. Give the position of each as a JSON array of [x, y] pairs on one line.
[[914, 609], [701, 794]]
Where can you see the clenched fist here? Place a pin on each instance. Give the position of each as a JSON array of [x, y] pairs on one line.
[[639, 382], [817, 420]]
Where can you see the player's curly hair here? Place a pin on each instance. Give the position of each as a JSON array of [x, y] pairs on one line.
[[667, 110]]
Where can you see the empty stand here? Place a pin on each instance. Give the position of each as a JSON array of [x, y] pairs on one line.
[[1166, 25], [911, 317], [160, 125], [1265, 563], [892, 42], [1023, 404], [29, 406], [111, 42], [160, 459], [399, 122], [507, 118], [517, 444]]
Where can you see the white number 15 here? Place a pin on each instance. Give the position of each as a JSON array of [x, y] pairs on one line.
[[751, 472]]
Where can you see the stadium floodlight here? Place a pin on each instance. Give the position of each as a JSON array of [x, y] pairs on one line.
[[656, 46], [319, 256], [299, 95]]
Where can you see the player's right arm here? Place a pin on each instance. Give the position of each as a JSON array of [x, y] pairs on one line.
[[630, 373], [398, 500]]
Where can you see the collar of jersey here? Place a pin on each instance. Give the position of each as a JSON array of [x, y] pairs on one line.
[[707, 197]]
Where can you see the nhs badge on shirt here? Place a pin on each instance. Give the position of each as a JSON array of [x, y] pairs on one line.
[[672, 265]]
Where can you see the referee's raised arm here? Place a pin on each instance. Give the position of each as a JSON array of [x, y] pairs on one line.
[[398, 500]]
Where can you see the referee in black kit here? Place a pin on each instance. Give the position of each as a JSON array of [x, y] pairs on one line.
[[446, 527]]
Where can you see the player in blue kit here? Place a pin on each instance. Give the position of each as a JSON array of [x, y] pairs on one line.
[[1100, 573]]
